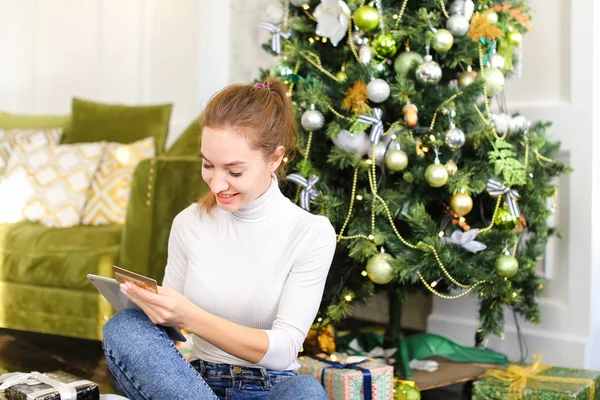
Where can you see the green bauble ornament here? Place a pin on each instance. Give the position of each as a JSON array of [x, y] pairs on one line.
[[494, 81], [407, 61], [379, 269], [436, 175], [507, 266], [384, 45], [366, 18], [505, 220], [514, 38], [442, 41], [409, 392], [341, 77], [396, 160]]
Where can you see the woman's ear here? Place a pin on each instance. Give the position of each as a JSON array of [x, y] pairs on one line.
[[277, 158]]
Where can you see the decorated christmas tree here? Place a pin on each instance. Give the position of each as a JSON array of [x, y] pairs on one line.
[[406, 146]]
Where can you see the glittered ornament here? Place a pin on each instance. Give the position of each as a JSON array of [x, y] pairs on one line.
[[429, 73], [378, 90], [457, 25], [366, 18], [514, 38], [312, 119], [454, 137], [407, 60], [357, 143], [411, 115], [365, 54], [451, 167], [379, 269], [384, 45], [461, 204], [436, 174], [396, 160], [507, 266], [466, 78], [497, 61], [504, 220], [494, 80], [442, 40]]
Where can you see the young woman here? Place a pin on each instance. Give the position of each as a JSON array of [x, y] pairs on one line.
[[245, 273]]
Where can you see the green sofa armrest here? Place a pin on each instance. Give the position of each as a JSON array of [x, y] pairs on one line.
[[161, 188]]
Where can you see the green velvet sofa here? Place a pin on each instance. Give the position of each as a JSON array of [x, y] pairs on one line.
[[43, 284]]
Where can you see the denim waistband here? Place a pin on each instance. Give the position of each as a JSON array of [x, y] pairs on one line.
[[239, 377]]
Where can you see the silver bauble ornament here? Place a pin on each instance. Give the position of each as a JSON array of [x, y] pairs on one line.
[[464, 7], [396, 160], [455, 138], [274, 12], [380, 150], [379, 269], [407, 60], [494, 80], [428, 73], [312, 119], [497, 61], [298, 3], [442, 40], [365, 54], [357, 143], [458, 25], [378, 90]]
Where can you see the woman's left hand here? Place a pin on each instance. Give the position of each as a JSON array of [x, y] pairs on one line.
[[168, 307]]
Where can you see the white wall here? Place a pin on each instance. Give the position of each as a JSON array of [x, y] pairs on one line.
[[559, 75], [132, 52]]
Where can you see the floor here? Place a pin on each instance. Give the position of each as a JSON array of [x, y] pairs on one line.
[[25, 351]]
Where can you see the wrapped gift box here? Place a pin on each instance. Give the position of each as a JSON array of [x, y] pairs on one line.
[[343, 382], [547, 383], [36, 386]]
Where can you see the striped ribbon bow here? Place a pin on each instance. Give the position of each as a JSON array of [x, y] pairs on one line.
[[277, 35], [497, 188], [308, 192], [375, 122]]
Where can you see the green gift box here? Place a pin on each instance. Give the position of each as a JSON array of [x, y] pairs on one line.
[[538, 382]]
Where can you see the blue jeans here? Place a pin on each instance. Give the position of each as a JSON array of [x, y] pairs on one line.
[[147, 365]]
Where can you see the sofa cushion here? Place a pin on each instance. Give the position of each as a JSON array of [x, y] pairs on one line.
[[109, 194], [25, 139], [33, 254], [188, 143], [93, 122], [34, 121]]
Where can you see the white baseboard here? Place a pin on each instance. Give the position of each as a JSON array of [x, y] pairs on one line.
[[556, 348]]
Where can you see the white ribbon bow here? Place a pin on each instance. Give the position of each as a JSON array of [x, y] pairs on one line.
[[277, 35], [308, 193], [67, 391], [376, 124], [497, 188], [376, 352]]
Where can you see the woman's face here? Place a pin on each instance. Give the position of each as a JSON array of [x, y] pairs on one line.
[[236, 174]]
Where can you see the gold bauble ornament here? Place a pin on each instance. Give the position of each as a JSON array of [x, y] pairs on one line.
[[466, 78], [436, 175], [396, 160], [451, 167], [379, 269], [461, 204]]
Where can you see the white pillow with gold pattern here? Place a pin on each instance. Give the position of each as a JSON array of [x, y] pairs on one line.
[[109, 194], [49, 184], [26, 139]]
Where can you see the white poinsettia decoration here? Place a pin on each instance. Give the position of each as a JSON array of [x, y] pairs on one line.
[[333, 17], [466, 240]]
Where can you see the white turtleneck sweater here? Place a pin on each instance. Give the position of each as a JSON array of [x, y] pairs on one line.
[[263, 266]]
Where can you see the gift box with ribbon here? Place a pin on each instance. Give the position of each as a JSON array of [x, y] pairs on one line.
[[347, 377], [56, 385], [538, 381]]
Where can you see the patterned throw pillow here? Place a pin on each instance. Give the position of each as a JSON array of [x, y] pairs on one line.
[[49, 184], [27, 139], [109, 194]]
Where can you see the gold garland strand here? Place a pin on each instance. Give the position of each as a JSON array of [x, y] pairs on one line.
[[539, 157], [444, 9], [309, 15], [316, 62], [351, 42], [351, 207], [337, 114], [489, 123], [306, 153], [296, 68], [444, 296], [448, 100], [400, 14], [488, 228]]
